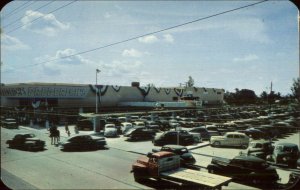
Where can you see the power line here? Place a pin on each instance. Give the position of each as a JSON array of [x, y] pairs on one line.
[[29, 14], [11, 13], [63, 6], [147, 34]]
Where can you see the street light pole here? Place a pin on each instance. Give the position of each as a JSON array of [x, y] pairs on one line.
[[97, 71]]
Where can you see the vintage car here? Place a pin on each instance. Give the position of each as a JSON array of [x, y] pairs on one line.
[[248, 169], [26, 141], [125, 126], [83, 142], [85, 124], [253, 133], [181, 137], [110, 130], [186, 157], [9, 123], [204, 133], [285, 153], [230, 139], [140, 133], [260, 148]]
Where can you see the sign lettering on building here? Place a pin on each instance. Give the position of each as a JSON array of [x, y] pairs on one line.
[[44, 91]]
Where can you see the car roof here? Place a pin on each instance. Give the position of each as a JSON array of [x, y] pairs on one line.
[[162, 154], [286, 144], [249, 158]]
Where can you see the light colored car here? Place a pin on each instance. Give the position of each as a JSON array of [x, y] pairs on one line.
[[125, 126], [230, 139], [138, 124], [110, 130]]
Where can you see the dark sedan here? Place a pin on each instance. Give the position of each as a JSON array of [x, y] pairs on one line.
[[140, 133], [174, 137], [285, 154], [26, 141], [83, 142], [248, 169]]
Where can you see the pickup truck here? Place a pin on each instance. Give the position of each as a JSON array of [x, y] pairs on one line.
[[248, 169], [164, 165]]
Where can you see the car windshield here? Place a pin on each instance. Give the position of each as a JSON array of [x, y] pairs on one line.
[[290, 149]]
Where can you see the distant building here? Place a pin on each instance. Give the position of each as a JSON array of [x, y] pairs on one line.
[[59, 95]]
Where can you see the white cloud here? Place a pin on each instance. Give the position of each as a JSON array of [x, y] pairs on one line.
[[12, 43], [246, 58], [61, 58], [107, 15], [168, 38], [131, 53], [148, 39], [47, 24]]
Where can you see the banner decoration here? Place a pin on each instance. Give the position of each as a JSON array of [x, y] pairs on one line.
[[179, 92], [116, 88], [99, 88], [144, 90], [167, 91], [35, 104], [157, 89]]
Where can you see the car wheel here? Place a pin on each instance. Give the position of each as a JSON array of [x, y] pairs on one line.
[[217, 143], [211, 170]]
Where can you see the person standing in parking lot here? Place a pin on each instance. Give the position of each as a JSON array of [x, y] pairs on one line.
[[67, 128]]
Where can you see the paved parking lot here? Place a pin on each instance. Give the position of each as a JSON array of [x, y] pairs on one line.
[[202, 152]]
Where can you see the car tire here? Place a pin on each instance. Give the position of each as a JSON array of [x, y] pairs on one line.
[[216, 144]]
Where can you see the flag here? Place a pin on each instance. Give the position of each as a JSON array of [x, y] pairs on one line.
[[97, 70]]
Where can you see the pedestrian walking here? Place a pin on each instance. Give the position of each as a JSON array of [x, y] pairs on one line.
[[76, 129], [52, 134], [67, 128]]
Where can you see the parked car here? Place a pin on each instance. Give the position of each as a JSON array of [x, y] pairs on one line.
[[202, 131], [85, 124], [125, 126], [26, 141], [172, 137], [249, 169], [186, 157], [285, 153], [140, 133], [260, 148], [215, 129], [230, 139], [253, 133], [110, 130], [83, 142], [9, 123]]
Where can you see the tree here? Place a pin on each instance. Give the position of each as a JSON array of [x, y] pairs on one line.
[[296, 89]]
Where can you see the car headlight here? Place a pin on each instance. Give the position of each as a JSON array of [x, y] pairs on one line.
[[285, 159]]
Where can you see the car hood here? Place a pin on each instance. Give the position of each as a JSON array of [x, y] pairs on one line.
[[110, 131], [217, 137], [33, 139], [187, 155], [98, 138]]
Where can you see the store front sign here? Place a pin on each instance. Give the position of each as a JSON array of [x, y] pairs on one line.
[[49, 92]]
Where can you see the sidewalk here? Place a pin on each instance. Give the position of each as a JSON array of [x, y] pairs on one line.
[[61, 129]]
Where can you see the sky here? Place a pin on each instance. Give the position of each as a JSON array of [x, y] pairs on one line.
[[246, 49]]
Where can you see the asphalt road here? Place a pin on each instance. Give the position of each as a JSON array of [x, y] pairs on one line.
[[101, 169]]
